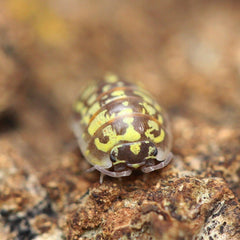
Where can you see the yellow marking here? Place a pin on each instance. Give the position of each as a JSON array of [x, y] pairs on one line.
[[98, 121], [136, 165], [160, 138], [103, 161], [129, 121], [151, 110], [102, 118], [109, 100], [111, 78], [143, 95], [160, 119], [89, 91], [94, 108], [118, 93], [125, 111], [87, 153], [85, 119], [91, 99], [84, 110], [104, 97], [157, 106], [150, 157], [78, 106], [135, 148], [125, 103], [148, 99], [120, 84], [115, 95], [151, 150], [130, 135], [106, 88], [143, 110], [154, 126], [119, 161]]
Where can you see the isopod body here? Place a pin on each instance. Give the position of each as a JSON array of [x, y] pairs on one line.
[[120, 128]]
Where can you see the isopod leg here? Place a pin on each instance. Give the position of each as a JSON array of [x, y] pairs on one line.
[[113, 174], [158, 166], [93, 169], [101, 178], [90, 170]]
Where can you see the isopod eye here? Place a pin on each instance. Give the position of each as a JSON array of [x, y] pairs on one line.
[[113, 159], [155, 152]]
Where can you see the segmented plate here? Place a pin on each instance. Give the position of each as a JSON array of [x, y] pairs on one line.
[[120, 127]]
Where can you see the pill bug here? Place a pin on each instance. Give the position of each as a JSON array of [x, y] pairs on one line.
[[120, 128]]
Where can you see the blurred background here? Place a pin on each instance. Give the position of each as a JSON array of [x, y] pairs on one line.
[[186, 53]]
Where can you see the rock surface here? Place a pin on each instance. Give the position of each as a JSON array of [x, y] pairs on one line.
[[189, 62]]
